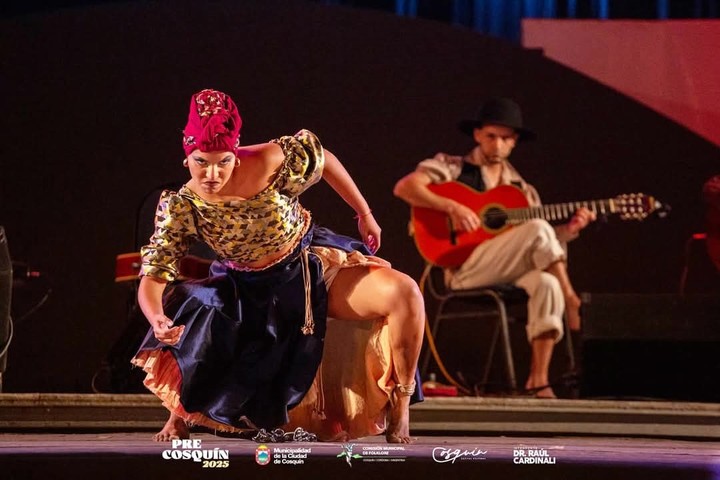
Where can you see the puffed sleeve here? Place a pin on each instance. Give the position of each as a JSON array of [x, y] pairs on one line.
[[441, 168], [174, 233], [303, 164]]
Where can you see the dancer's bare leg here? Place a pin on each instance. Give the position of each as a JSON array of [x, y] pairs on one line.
[[370, 293], [572, 301], [542, 348], [174, 429]]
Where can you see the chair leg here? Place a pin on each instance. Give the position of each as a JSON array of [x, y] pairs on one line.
[[569, 344], [491, 354], [570, 347], [505, 330]]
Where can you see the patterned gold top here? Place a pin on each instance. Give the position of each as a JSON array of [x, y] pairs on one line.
[[240, 230]]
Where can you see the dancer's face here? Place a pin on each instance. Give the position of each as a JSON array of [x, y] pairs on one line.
[[211, 170]]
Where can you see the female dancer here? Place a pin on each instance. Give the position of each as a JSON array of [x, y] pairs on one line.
[[246, 348]]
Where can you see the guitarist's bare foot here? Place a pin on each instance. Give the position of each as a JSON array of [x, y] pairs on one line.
[[572, 310], [174, 429]]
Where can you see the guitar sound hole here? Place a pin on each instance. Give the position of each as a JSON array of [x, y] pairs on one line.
[[494, 218]]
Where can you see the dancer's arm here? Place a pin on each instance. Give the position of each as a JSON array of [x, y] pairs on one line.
[[340, 180], [150, 301]]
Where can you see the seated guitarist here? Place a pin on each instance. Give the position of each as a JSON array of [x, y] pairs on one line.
[[531, 255]]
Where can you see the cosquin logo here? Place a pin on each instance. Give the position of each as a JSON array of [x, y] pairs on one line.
[[445, 455]]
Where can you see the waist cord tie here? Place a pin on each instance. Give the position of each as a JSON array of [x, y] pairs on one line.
[[308, 327], [319, 407]]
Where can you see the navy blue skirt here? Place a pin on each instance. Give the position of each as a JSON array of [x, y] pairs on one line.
[[243, 358]]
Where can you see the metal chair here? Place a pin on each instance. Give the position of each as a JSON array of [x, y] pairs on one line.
[[489, 302], [496, 300]]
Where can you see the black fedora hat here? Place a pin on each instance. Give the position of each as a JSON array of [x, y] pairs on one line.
[[498, 111]]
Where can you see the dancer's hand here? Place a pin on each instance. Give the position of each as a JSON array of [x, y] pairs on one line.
[[164, 331], [369, 231]]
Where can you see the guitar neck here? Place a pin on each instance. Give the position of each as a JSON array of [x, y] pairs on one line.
[[559, 211]]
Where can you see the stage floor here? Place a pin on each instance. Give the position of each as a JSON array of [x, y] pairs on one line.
[[127, 454], [108, 436]]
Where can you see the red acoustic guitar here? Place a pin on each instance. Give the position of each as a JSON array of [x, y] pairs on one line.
[[127, 267], [499, 209]]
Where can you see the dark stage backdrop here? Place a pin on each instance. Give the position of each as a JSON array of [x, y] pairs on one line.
[[94, 100]]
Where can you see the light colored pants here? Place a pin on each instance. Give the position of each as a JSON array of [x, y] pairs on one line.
[[520, 256]]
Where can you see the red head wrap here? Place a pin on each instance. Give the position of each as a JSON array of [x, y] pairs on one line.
[[213, 123]]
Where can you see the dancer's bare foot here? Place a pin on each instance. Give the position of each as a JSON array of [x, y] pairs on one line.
[[341, 437], [398, 429], [174, 429], [572, 310]]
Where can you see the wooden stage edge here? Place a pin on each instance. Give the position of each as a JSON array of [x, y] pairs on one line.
[[466, 416]]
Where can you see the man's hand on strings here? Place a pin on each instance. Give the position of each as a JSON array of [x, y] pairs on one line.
[[580, 220], [463, 218]]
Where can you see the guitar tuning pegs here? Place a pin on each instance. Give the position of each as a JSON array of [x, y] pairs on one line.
[[662, 209]]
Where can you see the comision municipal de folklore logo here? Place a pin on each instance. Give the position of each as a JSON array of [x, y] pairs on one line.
[[262, 455], [347, 453]]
